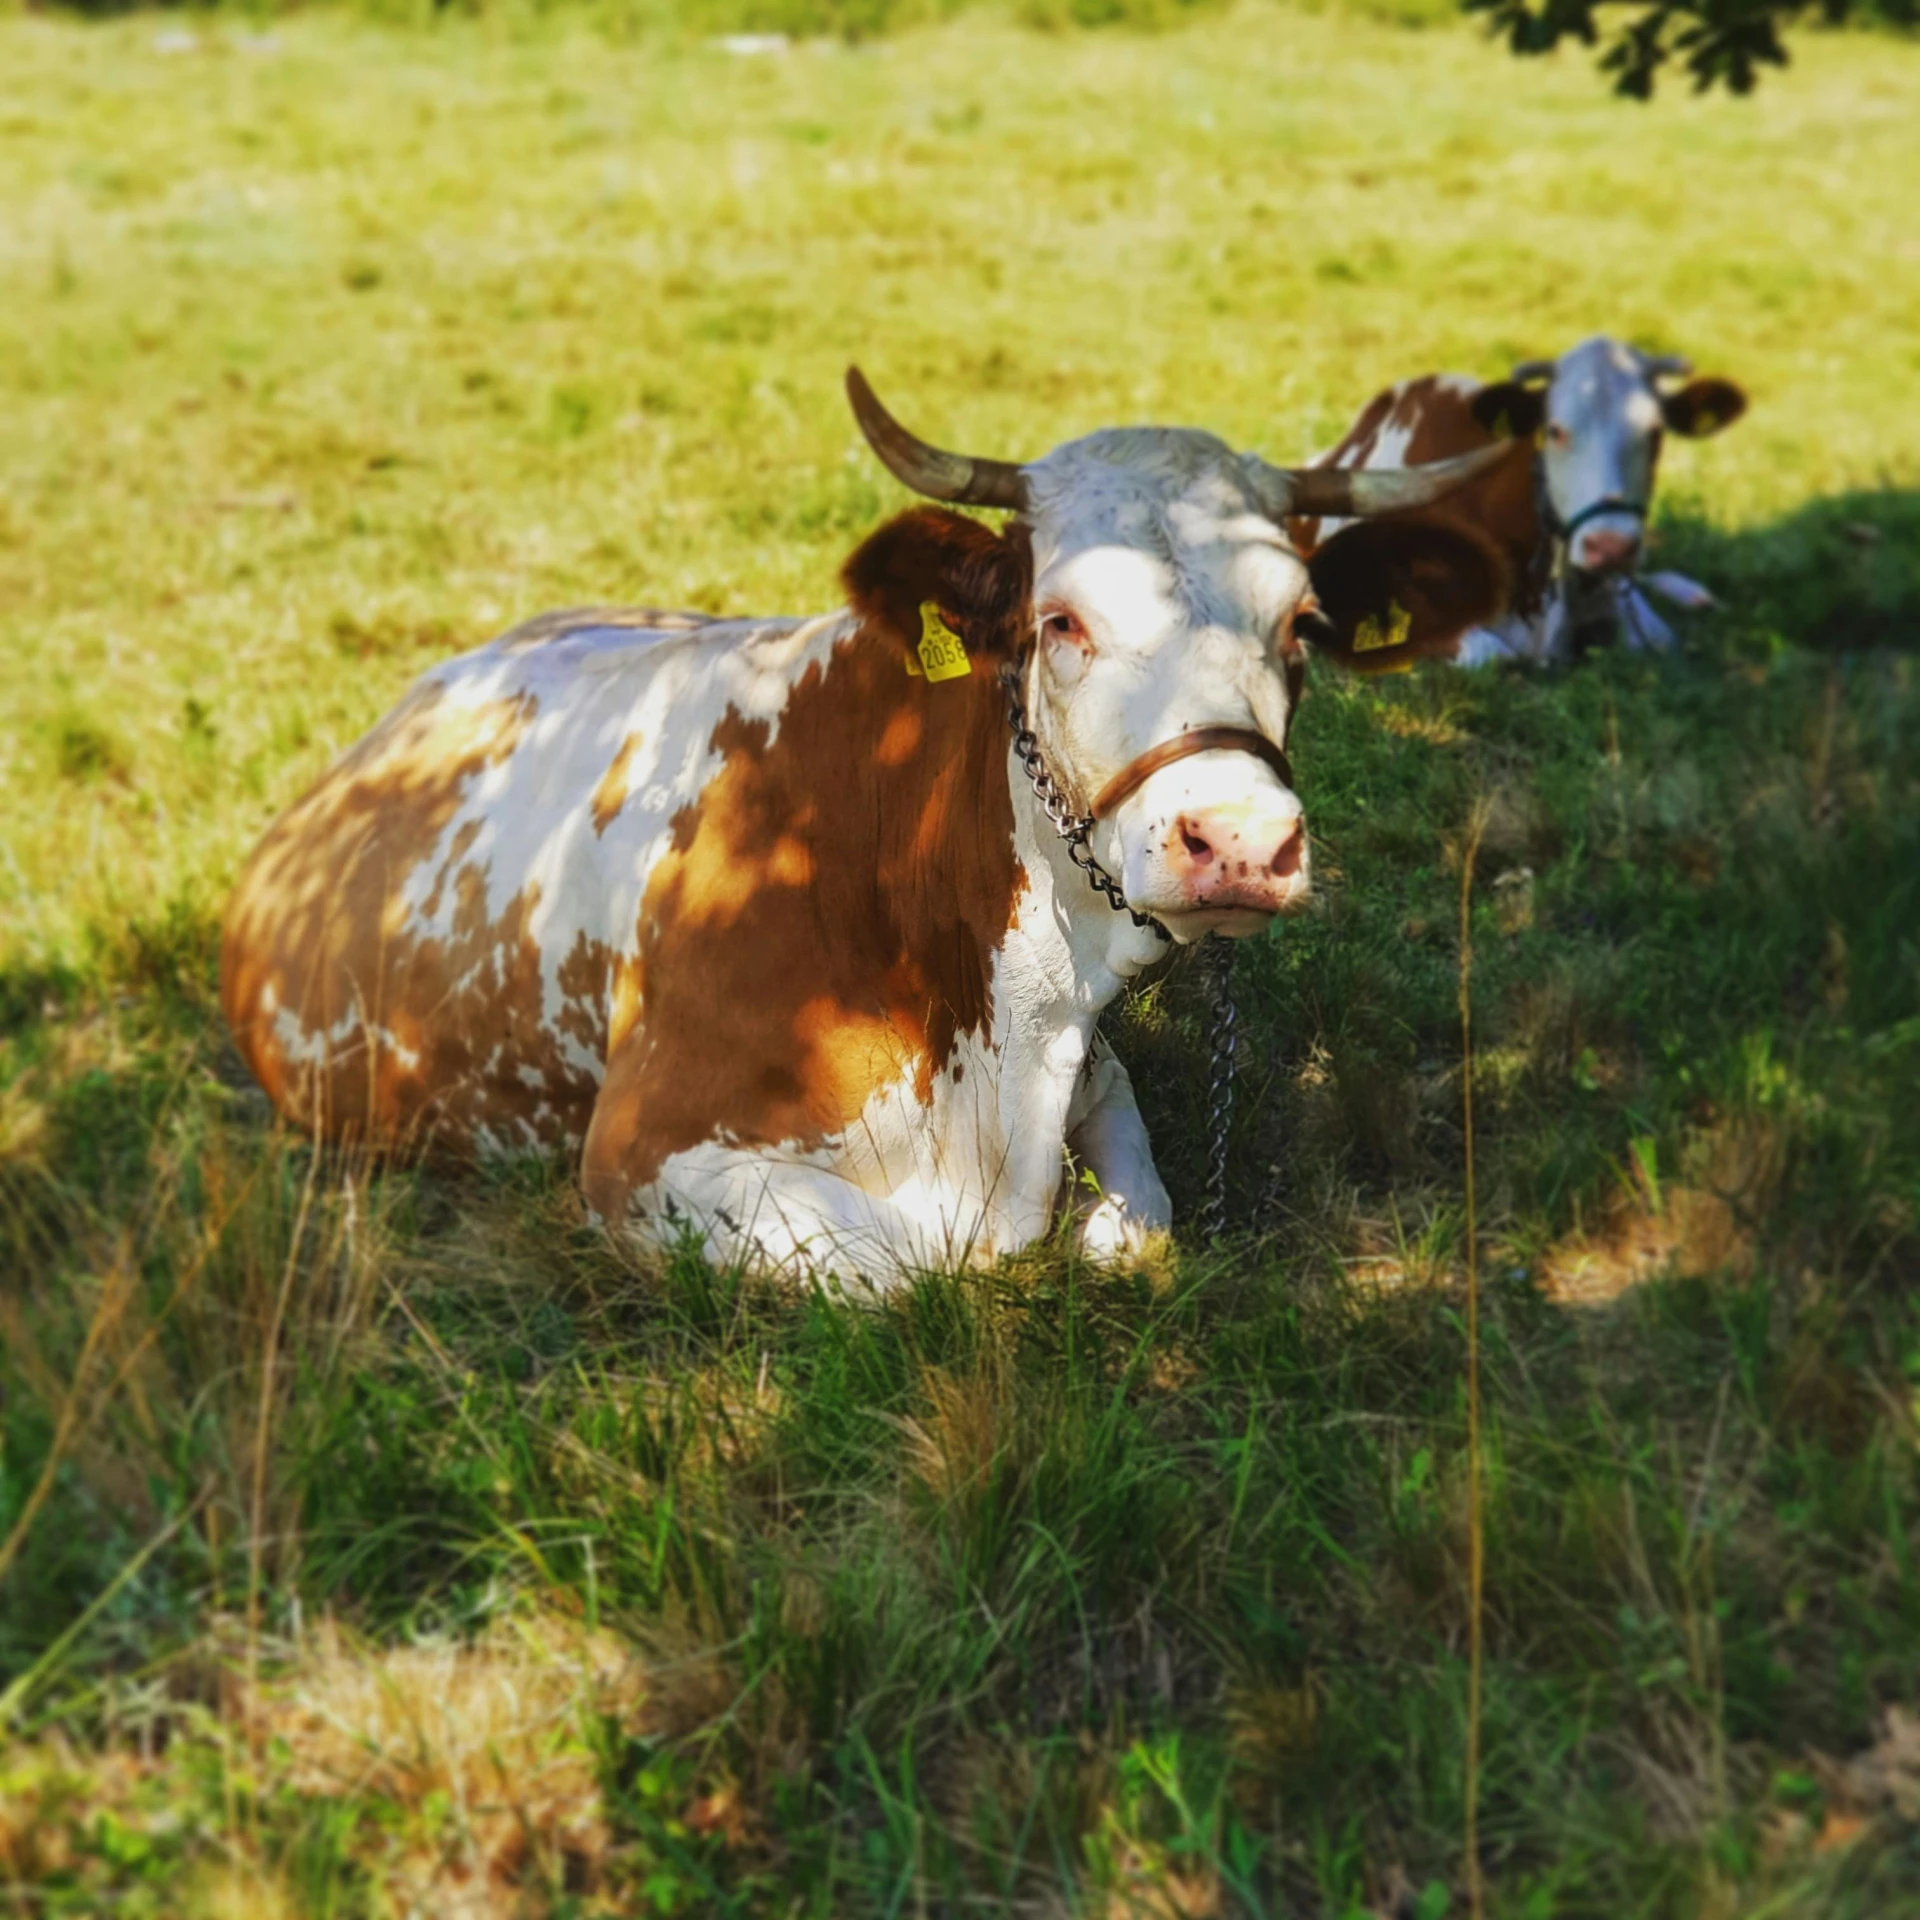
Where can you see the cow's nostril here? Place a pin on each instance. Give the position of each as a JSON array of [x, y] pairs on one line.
[[1198, 849], [1287, 860]]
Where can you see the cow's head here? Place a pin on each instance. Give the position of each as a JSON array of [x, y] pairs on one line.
[[1146, 590], [1599, 412]]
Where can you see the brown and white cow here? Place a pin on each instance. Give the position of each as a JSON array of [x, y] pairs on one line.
[[1569, 512], [762, 919]]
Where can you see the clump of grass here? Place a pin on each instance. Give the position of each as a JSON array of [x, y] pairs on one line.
[[487, 1750]]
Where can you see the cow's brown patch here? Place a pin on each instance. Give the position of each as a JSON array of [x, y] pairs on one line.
[[399, 1037], [1500, 502], [611, 794], [824, 923]]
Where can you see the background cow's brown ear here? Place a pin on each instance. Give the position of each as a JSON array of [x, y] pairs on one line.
[[980, 579], [1404, 589], [1703, 406], [1510, 411]]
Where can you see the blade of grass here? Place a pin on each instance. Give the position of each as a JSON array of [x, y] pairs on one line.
[[1476, 1544]]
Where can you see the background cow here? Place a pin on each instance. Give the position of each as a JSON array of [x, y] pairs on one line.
[[1570, 513], [762, 918]]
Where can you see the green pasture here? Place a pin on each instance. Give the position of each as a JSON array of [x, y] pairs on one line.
[[382, 1541]]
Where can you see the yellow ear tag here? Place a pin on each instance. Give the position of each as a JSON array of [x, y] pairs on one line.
[[943, 654], [1371, 635]]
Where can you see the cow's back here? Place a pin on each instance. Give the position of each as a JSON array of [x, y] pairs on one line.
[[433, 947]]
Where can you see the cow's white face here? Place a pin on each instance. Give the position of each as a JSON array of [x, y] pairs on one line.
[[1164, 600], [1599, 419], [1599, 442]]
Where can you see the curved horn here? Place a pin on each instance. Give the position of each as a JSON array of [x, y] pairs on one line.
[[1532, 370], [1348, 493], [929, 470], [1666, 366]]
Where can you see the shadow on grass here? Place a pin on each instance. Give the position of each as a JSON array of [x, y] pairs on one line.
[[1840, 573]]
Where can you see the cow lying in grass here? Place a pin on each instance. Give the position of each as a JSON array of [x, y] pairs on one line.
[[764, 919], [1571, 513]]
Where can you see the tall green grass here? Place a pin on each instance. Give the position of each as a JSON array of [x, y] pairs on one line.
[[377, 1539]]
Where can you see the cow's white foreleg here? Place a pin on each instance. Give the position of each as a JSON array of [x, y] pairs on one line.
[[1514, 638], [801, 1216], [1127, 1205]]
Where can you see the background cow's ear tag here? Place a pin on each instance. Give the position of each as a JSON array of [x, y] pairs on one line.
[[1372, 633], [943, 654]]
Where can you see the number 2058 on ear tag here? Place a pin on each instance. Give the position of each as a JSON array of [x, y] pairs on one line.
[[943, 655]]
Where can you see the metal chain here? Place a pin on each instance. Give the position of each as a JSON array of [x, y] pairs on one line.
[[1075, 829], [1217, 955]]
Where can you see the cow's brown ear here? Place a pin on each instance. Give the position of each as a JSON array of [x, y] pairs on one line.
[[1703, 406], [1399, 590], [980, 580], [1510, 410]]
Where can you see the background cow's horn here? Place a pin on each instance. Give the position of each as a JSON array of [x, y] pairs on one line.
[[929, 470], [1666, 366], [1347, 493], [1532, 370]]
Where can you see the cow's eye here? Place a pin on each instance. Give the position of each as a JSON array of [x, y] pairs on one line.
[[1059, 624], [1559, 436]]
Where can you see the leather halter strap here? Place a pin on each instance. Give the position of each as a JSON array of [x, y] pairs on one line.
[[1613, 503], [1133, 776]]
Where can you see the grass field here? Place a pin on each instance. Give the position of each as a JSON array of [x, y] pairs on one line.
[[375, 1541]]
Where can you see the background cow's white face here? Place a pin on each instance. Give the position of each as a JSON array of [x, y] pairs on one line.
[[1601, 438], [1164, 599], [1599, 413]]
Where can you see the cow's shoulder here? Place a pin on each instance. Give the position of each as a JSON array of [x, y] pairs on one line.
[[821, 932]]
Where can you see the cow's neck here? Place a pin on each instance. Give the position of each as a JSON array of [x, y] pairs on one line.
[[1067, 947]]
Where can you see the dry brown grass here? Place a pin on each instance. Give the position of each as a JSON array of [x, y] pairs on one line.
[[1146, 1886], [1273, 1732], [469, 1768], [250, 1250], [1700, 1225], [1884, 1781], [50, 1790], [483, 1749], [968, 1423]]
